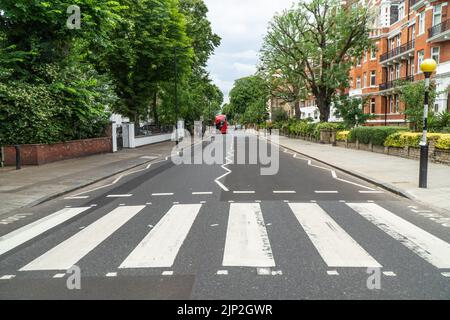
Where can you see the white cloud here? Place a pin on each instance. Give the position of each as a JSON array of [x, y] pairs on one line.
[[242, 25]]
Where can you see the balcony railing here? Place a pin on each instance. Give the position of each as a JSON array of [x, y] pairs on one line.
[[439, 28], [412, 3], [394, 83], [397, 51]]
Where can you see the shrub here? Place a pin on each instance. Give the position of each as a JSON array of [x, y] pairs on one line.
[[342, 135], [326, 125], [377, 135], [412, 139]]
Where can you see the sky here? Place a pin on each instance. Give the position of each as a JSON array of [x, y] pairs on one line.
[[242, 25]]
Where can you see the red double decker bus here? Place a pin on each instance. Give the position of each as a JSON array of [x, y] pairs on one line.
[[221, 123]]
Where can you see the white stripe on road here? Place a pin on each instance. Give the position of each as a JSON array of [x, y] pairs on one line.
[[247, 243], [162, 194], [424, 244], [119, 195], [76, 197], [326, 191], [160, 247], [336, 247], [69, 252], [32, 230], [362, 191], [284, 192], [202, 193], [244, 192]]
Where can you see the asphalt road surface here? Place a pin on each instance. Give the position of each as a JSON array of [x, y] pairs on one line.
[[224, 231]]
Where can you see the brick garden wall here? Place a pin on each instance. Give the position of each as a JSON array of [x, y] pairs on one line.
[[37, 154]]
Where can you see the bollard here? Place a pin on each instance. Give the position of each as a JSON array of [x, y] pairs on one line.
[[18, 159]]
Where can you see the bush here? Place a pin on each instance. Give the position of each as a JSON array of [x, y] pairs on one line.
[[326, 125], [412, 139], [377, 135], [342, 135]]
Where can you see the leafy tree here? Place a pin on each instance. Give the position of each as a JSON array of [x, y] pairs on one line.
[[279, 115], [412, 94], [310, 49], [249, 93], [351, 110]]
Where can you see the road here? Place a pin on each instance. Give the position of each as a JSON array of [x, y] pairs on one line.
[[224, 231]]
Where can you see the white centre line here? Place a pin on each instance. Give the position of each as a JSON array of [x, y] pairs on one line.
[[111, 274], [202, 193], [32, 230], [332, 273], [363, 191], [167, 273], [243, 192], [284, 192], [119, 195], [389, 274], [160, 246], [76, 197], [247, 243], [424, 244], [59, 275], [222, 272], [336, 247], [7, 277], [334, 191], [69, 252], [162, 194]]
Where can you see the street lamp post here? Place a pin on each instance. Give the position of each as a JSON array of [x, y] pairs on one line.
[[176, 95], [427, 66]]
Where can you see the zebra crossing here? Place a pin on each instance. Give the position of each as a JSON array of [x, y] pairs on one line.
[[246, 244]]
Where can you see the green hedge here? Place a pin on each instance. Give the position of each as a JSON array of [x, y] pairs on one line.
[[377, 135], [412, 139], [305, 128]]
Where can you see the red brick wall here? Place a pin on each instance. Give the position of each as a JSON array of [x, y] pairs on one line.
[[37, 154]]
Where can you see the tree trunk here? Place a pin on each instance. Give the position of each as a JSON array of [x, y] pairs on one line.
[[323, 103], [136, 123], [155, 106], [297, 109]]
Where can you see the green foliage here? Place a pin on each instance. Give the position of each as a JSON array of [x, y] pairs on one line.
[[412, 95], [351, 111], [279, 114], [342, 135], [377, 134], [248, 99], [327, 125], [412, 139], [309, 50]]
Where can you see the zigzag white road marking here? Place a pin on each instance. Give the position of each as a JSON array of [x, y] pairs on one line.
[[224, 166]]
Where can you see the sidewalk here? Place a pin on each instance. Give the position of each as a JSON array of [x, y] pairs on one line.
[[35, 184], [396, 174]]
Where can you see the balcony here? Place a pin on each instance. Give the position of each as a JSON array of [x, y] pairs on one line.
[[416, 4], [440, 32], [394, 83], [398, 53]]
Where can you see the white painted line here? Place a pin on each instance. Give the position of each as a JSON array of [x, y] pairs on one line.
[[313, 201], [161, 245], [32, 230], [263, 271], [119, 195], [334, 191], [370, 192], [421, 211], [214, 225], [69, 252], [222, 272], [122, 204], [342, 201], [148, 204], [167, 273], [247, 243], [277, 273], [7, 277], [446, 274], [258, 201], [93, 205], [370, 201], [424, 244], [336, 247], [244, 192], [59, 275], [111, 274], [284, 192], [286, 201], [162, 194], [202, 202], [77, 197], [68, 206], [201, 193], [389, 274], [176, 203], [332, 273], [230, 201]]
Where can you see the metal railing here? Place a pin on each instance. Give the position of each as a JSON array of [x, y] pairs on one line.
[[414, 2], [394, 83], [151, 130], [397, 51], [439, 28]]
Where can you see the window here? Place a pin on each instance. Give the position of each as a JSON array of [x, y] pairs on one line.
[[391, 74], [364, 80], [396, 103], [422, 22], [397, 71], [436, 108], [413, 31], [411, 63], [372, 105], [435, 54], [437, 14], [391, 104], [373, 54], [373, 81], [398, 41], [365, 55], [358, 82], [419, 60], [401, 11]]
